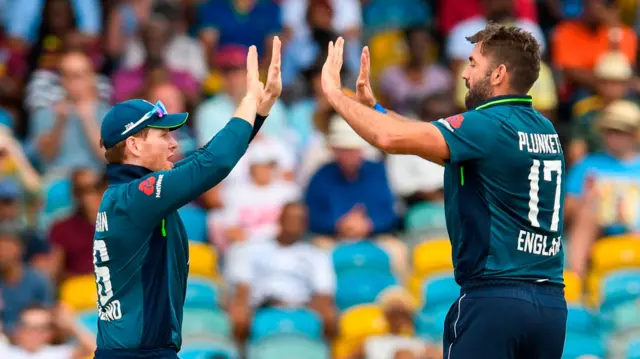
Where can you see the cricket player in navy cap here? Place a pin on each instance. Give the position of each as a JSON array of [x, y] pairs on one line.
[[141, 252]]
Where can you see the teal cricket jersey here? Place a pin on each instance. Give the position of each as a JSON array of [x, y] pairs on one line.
[[141, 250], [504, 192]]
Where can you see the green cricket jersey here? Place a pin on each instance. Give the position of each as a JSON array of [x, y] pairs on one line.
[[504, 192]]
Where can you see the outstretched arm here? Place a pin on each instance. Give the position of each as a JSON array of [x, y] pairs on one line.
[[392, 134]]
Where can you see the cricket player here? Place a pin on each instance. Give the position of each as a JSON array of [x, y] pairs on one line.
[[141, 251], [504, 190]]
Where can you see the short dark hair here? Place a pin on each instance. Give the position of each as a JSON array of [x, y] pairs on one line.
[[517, 49], [115, 154]]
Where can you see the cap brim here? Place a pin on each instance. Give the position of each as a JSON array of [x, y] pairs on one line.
[[171, 121]]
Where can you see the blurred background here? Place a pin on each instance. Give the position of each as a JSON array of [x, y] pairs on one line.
[[317, 245]]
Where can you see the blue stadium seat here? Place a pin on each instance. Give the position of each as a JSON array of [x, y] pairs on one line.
[[430, 322], [382, 15], [201, 293], [195, 222], [624, 318], [58, 201], [274, 321], [577, 345], [207, 348], [440, 291], [213, 323], [360, 287], [582, 321], [363, 255], [89, 320], [618, 288], [288, 347], [633, 349]]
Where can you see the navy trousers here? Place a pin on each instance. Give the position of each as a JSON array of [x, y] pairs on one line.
[[506, 320], [164, 353]]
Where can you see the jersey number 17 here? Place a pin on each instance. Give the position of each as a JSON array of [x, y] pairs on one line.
[[549, 166]]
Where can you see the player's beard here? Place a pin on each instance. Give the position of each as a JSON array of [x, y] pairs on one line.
[[478, 93]]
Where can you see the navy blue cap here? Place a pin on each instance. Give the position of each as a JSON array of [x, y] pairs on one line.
[[130, 117], [9, 189]]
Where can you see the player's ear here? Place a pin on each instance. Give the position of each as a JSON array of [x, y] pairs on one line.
[[133, 146], [499, 75]]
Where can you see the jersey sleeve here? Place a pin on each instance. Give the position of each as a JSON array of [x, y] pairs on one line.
[[153, 197], [470, 135]]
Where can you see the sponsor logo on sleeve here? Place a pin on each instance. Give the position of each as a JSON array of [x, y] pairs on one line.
[[159, 186], [147, 186], [452, 122]]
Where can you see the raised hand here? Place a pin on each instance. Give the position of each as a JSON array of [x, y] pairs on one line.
[[254, 86], [331, 69], [364, 91], [273, 88]]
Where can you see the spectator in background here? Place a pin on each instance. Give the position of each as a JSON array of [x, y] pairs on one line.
[[251, 209], [24, 17], [37, 331], [350, 198], [68, 135], [72, 237], [213, 114], [20, 285], [133, 82], [238, 22], [403, 87], [310, 42], [347, 21], [181, 52], [614, 74], [13, 71], [124, 23], [453, 12], [579, 44], [458, 47], [598, 187], [281, 271]]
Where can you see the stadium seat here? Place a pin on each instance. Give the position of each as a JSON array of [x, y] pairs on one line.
[[577, 345], [203, 260], [614, 253], [89, 320], [207, 348], [633, 350], [381, 15], [57, 201], [623, 318], [430, 323], [213, 323], [440, 291], [79, 293], [356, 324], [619, 287], [202, 293], [195, 222], [361, 255], [432, 257], [573, 287], [288, 347], [581, 321], [386, 49], [360, 287], [426, 217], [299, 322]]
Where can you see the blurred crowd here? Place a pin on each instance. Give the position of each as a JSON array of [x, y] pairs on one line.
[[317, 245]]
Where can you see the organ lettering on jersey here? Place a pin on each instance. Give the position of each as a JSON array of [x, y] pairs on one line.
[[539, 143], [539, 244]]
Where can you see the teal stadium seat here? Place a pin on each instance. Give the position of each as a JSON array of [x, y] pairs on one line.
[[89, 320], [619, 288], [209, 322], [633, 350], [207, 349], [273, 321], [577, 345], [426, 217], [58, 202], [361, 286], [201, 293], [382, 15], [195, 222], [430, 323], [288, 347], [440, 291], [361, 255], [624, 318], [582, 321]]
